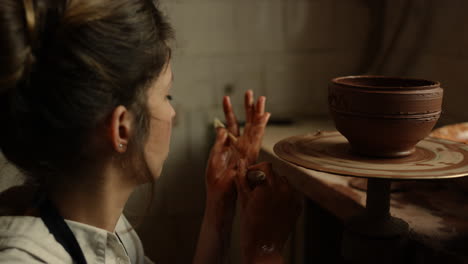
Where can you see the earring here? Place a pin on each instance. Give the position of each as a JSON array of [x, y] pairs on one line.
[[120, 145]]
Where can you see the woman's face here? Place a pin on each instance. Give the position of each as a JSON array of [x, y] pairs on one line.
[[162, 113]]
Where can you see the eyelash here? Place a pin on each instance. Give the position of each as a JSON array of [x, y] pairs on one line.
[[169, 97]]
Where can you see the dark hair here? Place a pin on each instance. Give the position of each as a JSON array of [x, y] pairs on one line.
[[66, 65]]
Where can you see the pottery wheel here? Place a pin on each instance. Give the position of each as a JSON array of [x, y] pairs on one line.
[[330, 152]]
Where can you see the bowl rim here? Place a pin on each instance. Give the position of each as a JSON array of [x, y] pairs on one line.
[[338, 81]]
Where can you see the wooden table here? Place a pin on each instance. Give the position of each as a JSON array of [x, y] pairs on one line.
[[436, 211]]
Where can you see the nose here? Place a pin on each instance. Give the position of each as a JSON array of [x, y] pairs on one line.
[[173, 114]]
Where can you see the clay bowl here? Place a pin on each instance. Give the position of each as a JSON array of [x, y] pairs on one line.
[[384, 116]]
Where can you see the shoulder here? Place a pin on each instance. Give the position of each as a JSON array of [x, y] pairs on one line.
[[15, 255], [25, 239]]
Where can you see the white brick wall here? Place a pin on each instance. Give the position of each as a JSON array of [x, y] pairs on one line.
[[308, 25], [204, 27], [259, 26]]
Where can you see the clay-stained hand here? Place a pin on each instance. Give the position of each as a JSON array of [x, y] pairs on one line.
[[248, 144], [220, 177], [215, 231], [269, 212]]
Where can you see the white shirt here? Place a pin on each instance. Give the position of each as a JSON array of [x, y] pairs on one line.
[[26, 239]]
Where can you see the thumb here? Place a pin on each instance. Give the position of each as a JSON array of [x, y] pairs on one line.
[[217, 149]]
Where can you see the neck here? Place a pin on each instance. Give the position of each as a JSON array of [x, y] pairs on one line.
[[96, 201]]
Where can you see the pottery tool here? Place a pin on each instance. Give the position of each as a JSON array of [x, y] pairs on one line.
[[217, 124]]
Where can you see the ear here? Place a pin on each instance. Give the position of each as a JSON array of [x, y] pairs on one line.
[[120, 128]]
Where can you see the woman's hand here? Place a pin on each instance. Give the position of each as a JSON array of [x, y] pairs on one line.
[[214, 238], [269, 212], [220, 174], [248, 144]]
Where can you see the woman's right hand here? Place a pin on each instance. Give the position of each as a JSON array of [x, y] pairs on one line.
[[269, 212], [249, 142]]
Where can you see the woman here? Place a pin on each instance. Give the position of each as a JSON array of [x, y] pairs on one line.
[[86, 115]]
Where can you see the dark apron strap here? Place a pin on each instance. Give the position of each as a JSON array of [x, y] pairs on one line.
[[60, 230]]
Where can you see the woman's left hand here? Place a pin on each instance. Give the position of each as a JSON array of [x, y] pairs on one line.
[[215, 232], [248, 144], [220, 174]]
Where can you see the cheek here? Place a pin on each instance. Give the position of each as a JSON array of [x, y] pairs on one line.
[[161, 124], [162, 133], [159, 137]]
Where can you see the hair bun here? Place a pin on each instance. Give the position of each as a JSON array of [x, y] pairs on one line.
[[17, 25]]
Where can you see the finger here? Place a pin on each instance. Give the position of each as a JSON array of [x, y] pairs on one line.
[[249, 105], [259, 124], [253, 135], [266, 118], [257, 130], [263, 120], [258, 127], [233, 139], [260, 106], [221, 137], [249, 98], [236, 145], [231, 119]]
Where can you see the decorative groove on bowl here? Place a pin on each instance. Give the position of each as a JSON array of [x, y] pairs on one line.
[[375, 102], [429, 116]]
